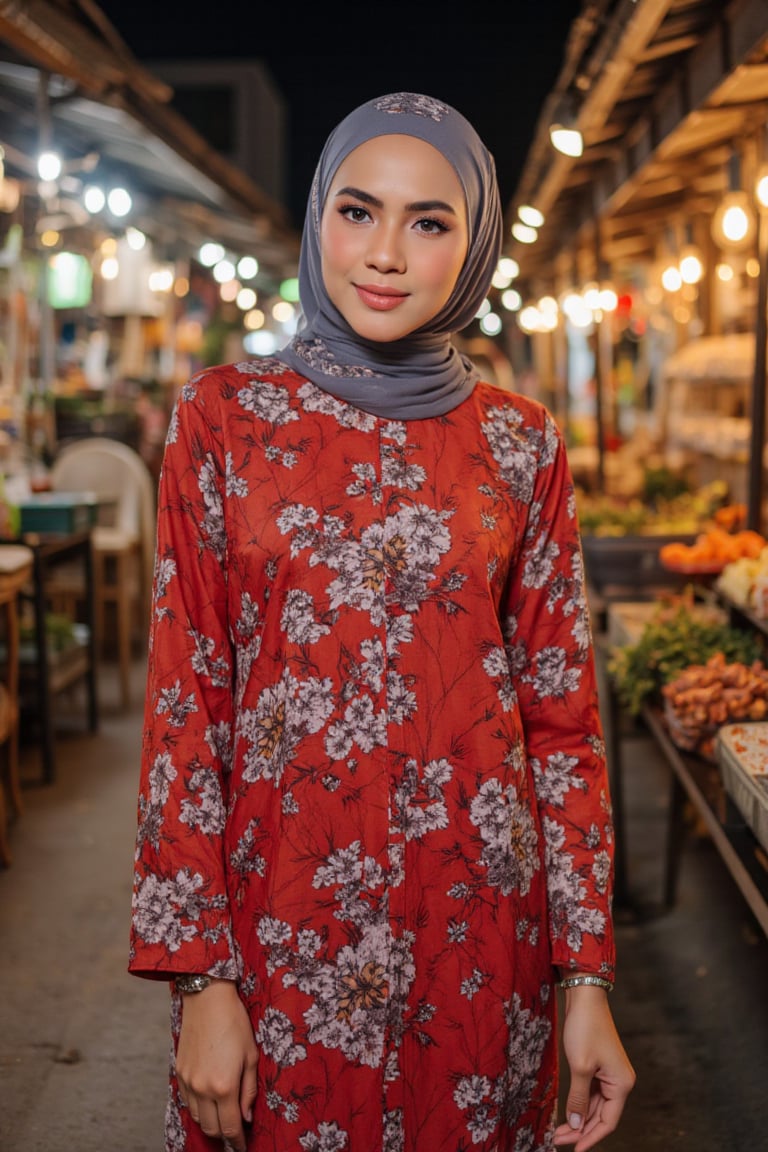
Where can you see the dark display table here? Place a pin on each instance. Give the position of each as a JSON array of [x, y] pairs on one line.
[[697, 781], [52, 672]]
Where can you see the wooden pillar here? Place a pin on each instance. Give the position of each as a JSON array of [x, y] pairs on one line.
[[599, 374], [756, 483]]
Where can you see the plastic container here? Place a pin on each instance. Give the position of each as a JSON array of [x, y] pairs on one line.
[[741, 751], [58, 512]]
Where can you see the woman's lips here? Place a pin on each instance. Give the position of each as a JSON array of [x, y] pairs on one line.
[[380, 299]]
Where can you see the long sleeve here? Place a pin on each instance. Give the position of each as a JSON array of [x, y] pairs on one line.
[[551, 657], [181, 919]]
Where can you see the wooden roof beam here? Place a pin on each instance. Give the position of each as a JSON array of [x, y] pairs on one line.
[[631, 30], [726, 46], [672, 47], [721, 51], [57, 42]]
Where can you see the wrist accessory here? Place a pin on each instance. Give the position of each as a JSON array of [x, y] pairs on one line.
[[195, 982], [577, 981]]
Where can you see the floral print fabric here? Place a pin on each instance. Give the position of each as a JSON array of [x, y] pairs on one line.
[[373, 784]]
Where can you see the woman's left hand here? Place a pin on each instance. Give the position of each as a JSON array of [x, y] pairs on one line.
[[601, 1076]]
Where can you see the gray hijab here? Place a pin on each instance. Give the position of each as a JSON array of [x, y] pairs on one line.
[[422, 374]]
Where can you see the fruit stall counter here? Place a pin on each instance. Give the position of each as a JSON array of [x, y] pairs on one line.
[[624, 542], [695, 780]]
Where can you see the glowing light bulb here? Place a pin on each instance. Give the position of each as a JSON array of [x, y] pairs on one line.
[[49, 166], [530, 215], [761, 190], [94, 199], [119, 202], [508, 267], [568, 141], [671, 278], [210, 254], [524, 233], [690, 267]]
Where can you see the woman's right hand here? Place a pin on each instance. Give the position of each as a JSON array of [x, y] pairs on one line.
[[216, 1062]]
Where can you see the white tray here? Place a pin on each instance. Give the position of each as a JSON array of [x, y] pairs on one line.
[[741, 751]]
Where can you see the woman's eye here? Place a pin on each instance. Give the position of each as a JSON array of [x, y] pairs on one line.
[[354, 212], [432, 226]]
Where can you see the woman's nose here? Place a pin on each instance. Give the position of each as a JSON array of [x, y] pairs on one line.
[[385, 250]]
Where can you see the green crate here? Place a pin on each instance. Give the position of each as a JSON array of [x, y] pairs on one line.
[[58, 512]]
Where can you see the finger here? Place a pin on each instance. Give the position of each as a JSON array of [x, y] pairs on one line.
[[577, 1104], [209, 1118], [599, 1125], [564, 1135], [231, 1124], [190, 1100], [248, 1091], [592, 1137]]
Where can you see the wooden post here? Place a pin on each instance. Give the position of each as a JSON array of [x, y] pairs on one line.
[[599, 374], [757, 440]]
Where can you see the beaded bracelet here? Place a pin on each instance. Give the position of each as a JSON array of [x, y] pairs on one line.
[[577, 981]]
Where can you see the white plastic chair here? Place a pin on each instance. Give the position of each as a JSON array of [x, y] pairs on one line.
[[124, 542]]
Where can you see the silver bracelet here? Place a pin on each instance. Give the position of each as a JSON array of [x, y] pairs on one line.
[[577, 981], [192, 982]]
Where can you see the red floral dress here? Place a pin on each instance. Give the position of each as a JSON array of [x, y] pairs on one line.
[[373, 785]]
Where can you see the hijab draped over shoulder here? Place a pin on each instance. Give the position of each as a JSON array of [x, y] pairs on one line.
[[422, 374]]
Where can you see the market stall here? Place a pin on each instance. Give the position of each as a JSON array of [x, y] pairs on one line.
[[694, 674], [644, 238], [110, 206], [131, 254]]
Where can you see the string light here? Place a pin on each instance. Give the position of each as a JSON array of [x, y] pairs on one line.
[[524, 233], [530, 216]]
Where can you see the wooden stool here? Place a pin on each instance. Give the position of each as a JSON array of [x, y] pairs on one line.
[[15, 571], [123, 539], [117, 579]]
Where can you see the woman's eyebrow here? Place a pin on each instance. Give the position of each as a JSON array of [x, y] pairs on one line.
[[417, 206], [358, 194], [430, 206]]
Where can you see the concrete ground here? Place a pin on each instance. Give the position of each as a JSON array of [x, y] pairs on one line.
[[83, 1046]]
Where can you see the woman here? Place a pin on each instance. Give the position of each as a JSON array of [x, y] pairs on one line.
[[374, 822]]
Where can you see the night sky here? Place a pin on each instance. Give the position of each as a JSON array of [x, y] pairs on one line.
[[495, 62]]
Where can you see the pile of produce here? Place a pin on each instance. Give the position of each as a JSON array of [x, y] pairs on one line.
[[713, 549], [705, 696], [731, 517], [680, 515], [682, 632], [745, 581]]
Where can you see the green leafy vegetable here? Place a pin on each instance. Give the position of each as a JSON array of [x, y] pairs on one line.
[[678, 635]]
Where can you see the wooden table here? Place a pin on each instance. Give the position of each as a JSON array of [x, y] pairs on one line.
[[698, 781], [15, 571]]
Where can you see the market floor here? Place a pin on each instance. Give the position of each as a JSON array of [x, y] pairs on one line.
[[83, 1046]]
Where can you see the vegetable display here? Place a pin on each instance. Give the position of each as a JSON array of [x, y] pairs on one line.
[[714, 547], [682, 632], [682, 514], [745, 582], [705, 696]]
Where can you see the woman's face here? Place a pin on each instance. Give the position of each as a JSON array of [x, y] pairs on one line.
[[393, 236]]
